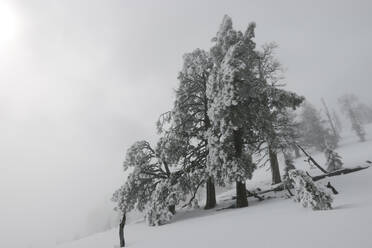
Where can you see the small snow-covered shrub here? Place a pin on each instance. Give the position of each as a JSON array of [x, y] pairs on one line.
[[308, 193], [289, 165], [334, 161]]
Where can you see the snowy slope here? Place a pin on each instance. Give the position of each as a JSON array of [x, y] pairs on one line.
[[278, 221]]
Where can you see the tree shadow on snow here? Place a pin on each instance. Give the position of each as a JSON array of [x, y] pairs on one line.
[[345, 206], [222, 207]]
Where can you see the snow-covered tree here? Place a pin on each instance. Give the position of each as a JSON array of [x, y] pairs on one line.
[[190, 120], [246, 105], [348, 104], [281, 134], [275, 123], [231, 95], [334, 161], [308, 193]]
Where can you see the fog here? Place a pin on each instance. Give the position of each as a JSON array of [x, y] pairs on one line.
[[80, 80]]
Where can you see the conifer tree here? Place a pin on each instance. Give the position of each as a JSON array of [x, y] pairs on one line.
[[276, 124], [189, 120], [247, 107], [191, 109], [230, 92]]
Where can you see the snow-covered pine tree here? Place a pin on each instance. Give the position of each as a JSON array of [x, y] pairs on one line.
[[190, 120], [246, 103], [275, 123], [230, 91], [334, 161], [348, 106], [308, 193], [313, 132]]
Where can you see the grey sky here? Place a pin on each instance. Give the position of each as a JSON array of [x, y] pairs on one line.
[[83, 79]]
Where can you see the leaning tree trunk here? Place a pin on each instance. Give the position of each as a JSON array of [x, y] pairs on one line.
[[274, 166], [211, 194], [121, 231], [241, 191], [296, 151]]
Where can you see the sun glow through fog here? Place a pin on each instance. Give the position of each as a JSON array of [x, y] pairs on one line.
[[8, 24]]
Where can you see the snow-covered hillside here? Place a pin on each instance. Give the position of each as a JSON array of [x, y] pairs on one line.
[[274, 222]]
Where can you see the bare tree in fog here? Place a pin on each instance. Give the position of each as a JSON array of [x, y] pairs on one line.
[[190, 120], [364, 112], [349, 106], [337, 121], [335, 134], [312, 128]]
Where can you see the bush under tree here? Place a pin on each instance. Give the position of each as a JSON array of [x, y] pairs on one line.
[[307, 193], [334, 161]]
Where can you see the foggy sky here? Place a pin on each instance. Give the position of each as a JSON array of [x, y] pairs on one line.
[[84, 79]]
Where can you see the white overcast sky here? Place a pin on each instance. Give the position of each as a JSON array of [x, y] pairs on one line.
[[80, 80]]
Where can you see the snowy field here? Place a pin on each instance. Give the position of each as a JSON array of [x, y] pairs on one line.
[[274, 222]]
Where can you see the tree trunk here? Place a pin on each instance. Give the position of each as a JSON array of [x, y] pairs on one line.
[[274, 165], [241, 191], [211, 194], [211, 191], [339, 172], [241, 195], [121, 231], [335, 133], [309, 158], [172, 209]]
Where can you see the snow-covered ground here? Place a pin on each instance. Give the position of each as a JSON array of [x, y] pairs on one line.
[[274, 222]]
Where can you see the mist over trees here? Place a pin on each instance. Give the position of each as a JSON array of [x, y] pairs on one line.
[[314, 132], [229, 106], [231, 114]]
